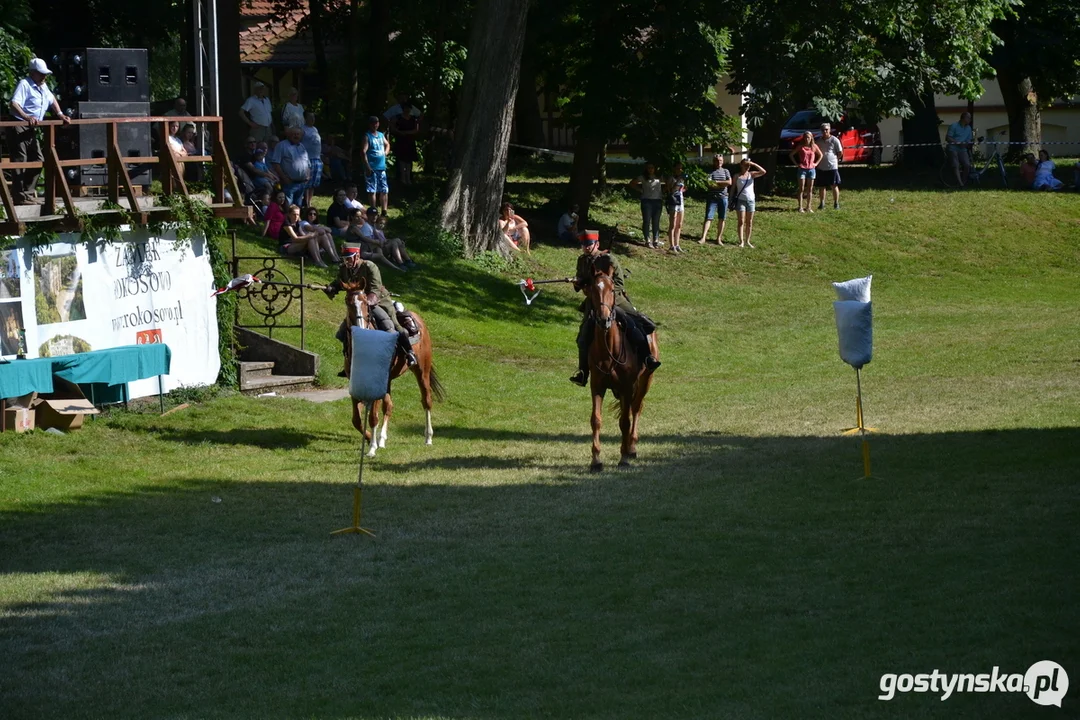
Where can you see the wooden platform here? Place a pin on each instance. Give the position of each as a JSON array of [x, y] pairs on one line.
[[103, 190]]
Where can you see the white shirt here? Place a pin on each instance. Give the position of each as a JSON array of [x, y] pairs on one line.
[[832, 152], [353, 204], [292, 115], [259, 110], [34, 99], [394, 111]]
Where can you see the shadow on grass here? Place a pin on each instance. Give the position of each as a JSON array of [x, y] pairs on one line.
[[278, 438], [765, 562]]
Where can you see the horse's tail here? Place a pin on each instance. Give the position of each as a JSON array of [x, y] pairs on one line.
[[436, 386]]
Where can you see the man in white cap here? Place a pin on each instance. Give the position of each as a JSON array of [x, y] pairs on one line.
[[257, 113], [32, 99]]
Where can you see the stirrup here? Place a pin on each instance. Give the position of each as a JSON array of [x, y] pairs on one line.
[[410, 359], [651, 363], [580, 378]]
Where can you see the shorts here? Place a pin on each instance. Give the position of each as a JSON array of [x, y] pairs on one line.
[[716, 207], [316, 175], [376, 182], [829, 178], [959, 156], [338, 232], [744, 205], [672, 209], [807, 173]]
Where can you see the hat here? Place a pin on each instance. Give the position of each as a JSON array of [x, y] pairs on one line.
[[350, 250], [588, 237], [372, 118], [372, 210], [38, 65]]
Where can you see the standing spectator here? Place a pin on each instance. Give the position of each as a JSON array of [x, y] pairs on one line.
[[179, 109], [291, 164], [32, 99], [351, 201], [652, 201], [292, 115], [374, 151], [743, 198], [275, 215], [675, 188], [1044, 174], [958, 141], [832, 154], [176, 143], [405, 127], [337, 215], [716, 200], [806, 156], [1027, 171], [313, 144], [395, 110], [336, 159], [257, 113], [514, 227], [567, 229]]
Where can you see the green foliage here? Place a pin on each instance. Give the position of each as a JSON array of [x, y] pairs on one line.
[[191, 218], [1042, 42], [424, 232], [495, 263], [226, 311], [15, 55]]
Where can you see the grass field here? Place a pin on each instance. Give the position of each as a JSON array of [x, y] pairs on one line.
[[182, 567]]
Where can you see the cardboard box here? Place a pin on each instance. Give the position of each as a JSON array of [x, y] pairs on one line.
[[64, 408], [19, 413]]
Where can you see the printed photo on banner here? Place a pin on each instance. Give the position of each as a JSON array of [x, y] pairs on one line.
[[60, 289], [11, 320], [10, 276]]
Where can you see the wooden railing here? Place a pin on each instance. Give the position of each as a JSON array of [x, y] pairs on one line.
[[118, 183]]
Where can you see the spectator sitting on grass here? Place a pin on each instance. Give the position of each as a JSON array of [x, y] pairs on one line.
[[351, 201], [294, 241], [263, 177], [364, 234], [275, 216], [392, 247], [309, 225], [567, 229], [1027, 171], [1044, 174], [514, 227], [337, 215]]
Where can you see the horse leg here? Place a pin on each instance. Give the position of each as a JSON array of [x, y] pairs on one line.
[[626, 427], [373, 423], [388, 407], [422, 371], [597, 409], [358, 419]]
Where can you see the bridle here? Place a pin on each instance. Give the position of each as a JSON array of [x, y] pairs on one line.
[[607, 322]]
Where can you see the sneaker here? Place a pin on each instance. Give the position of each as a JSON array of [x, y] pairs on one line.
[[580, 378], [821, 205], [651, 363], [836, 206], [343, 374]]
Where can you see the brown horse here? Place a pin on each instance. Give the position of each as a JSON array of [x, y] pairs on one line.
[[615, 366], [357, 306]]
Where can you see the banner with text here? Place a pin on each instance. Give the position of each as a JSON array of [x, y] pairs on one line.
[[70, 298]]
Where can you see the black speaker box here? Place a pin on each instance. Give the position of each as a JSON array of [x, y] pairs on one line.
[[89, 141], [102, 75]]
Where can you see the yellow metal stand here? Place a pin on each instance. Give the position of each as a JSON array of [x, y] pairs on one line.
[[358, 491], [860, 428]]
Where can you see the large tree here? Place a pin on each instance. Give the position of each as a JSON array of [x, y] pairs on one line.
[[1037, 62], [633, 70], [482, 135]]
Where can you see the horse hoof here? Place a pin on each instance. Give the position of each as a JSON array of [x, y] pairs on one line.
[[428, 441], [596, 467]]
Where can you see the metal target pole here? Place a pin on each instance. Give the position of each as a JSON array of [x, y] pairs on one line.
[[358, 491]]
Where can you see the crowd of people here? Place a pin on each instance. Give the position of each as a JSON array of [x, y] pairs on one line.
[[280, 177]]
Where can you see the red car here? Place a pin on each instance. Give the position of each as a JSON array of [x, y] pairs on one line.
[[851, 130]]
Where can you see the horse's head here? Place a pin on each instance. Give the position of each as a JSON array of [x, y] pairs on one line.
[[355, 303], [602, 292]]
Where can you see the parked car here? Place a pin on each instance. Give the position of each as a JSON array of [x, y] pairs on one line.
[[850, 128]]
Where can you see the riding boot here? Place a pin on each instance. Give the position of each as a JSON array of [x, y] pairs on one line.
[[343, 336], [406, 347], [581, 377]]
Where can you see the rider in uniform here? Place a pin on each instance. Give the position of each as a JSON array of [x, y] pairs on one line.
[[638, 326], [355, 270]]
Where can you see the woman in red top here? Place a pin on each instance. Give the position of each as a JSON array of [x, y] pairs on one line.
[[275, 216], [806, 156]]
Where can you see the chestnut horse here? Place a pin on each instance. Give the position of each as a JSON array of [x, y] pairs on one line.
[[357, 306], [615, 366]]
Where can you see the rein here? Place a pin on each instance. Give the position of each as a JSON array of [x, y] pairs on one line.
[[607, 347]]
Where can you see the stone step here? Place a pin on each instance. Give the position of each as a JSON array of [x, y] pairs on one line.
[[251, 370], [277, 383]]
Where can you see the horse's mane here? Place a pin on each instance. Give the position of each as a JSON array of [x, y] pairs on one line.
[[602, 264]]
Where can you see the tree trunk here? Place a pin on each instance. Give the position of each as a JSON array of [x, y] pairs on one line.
[[318, 36], [378, 65], [356, 31], [922, 127], [767, 135], [601, 168], [582, 172], [1025, 116], [530, 126], [478, 168]]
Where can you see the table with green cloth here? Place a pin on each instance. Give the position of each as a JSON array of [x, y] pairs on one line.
[[110, 367]]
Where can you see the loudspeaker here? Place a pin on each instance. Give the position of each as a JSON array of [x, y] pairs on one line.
[[102, 75], [89, 141]]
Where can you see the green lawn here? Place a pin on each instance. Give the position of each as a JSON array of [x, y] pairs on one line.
[[182, 567]]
